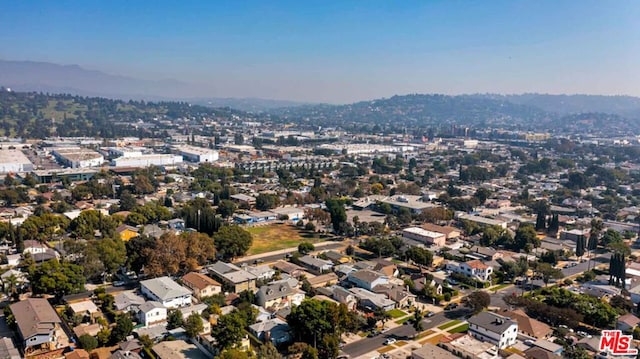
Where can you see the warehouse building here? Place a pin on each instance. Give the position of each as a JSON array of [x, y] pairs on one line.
[[425, 236], [14, 161], [76, 157], [147, 160], [197, 154]]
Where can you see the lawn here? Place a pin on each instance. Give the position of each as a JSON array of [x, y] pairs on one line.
[[403, 320], [276, 237], [433, 340], [459, 329], [425, 334], [396, 313], [449, 324], [499, 287]]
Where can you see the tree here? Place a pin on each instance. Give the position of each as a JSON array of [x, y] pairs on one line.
[[306, 247], [580, 246], [419, 255], [526, 237], [112, 253], [266, 201], [417, 320], [226, 208], [541, 221], [337, 213], [350, 250], [548, 272], [53, 277], [617, 270], [193, 325], [174, 319], [127, 201], [268, 351], [229, 330], [87, 342], [478, 301], [232, 241], [124, 327], [172, 254]]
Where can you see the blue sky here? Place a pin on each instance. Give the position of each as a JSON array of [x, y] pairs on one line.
[[339, 51]]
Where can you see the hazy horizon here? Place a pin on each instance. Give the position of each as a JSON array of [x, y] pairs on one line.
[[340, 52]]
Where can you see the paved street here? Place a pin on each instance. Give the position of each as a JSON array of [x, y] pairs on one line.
[[403, 332], [274, 256]]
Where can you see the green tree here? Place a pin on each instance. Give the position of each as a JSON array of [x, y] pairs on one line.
[[127, 201], [226, 208], [268, 351], [548, 272], [337, 213], [419, 255], [53, 277], [123, 327], [581, 245], [266, 201], [478, 301], [112, 252], [174, 319], [229, 330], [87, 342], [306, 247], [232, 241], [193, 325], [417, 320], [526, 237]]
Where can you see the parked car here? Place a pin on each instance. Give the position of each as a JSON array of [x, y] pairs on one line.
[[451, 306], [390, 341], [373, 333], [430, 314]]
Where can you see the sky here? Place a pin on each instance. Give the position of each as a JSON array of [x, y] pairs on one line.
[[339, 51]]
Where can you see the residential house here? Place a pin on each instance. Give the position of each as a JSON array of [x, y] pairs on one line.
[[276, 330], [177, 349], [13, 280], [237, 279], [430, 351], [243, 200], [262, 272], [127, 302], [337, 257], [494, 328], [483, 253], [40, 252], [125, 354], [166, 291], [545, 349], [466, 346], [449, 232], [127, 232], [529, 326], [398, 294], [86, 309], [344, 296], [472, 269], [289, 268], [386, 267], [201, 285], [77, 354], [421, 281], [279, 294], [371, 301], [367, 279], [316, 265], [627, 322], [323, 280], [39, 327], [88, 329], [152, 313], [424, 236]]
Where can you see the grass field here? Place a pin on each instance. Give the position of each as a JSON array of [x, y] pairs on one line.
[[396, 313], [278, 236], [433, 340], [449, 324], [500, 286], [459, 329]]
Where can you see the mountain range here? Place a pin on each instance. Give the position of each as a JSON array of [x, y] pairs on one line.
[[529, 111]]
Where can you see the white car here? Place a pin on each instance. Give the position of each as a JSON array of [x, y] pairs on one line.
[[390, 341]]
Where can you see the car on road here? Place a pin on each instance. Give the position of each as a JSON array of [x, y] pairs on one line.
[[373, 333], [451, 306], [430, 314], [390, 341]]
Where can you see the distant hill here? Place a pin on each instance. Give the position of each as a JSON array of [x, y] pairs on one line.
[[73, 79], [575, 104], [38, 115], [523, 112]]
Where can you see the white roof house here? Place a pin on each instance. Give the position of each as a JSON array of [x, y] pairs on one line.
[[166, 291]]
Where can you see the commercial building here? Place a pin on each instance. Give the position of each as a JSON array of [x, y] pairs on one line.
[[147, 160], [197, 154], [76, 157], [14, 161], [425, 236]]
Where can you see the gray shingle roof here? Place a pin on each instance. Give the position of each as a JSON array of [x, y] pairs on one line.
[[165, 288], [492, 322]]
